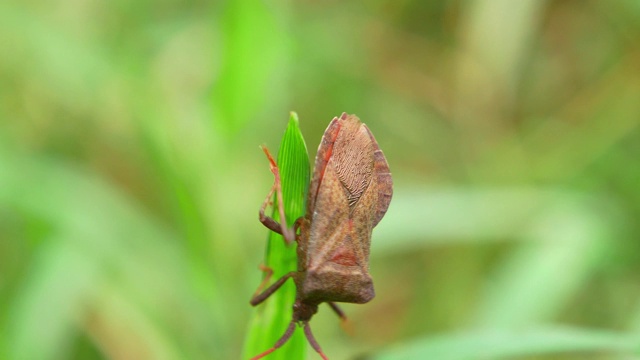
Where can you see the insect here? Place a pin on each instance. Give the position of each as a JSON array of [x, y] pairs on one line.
[[349, 194]]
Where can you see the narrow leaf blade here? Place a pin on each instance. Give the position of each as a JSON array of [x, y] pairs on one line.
[[273, 316]]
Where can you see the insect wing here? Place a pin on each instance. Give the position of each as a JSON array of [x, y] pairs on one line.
[[325, 149], [345, 205], [383, 180]]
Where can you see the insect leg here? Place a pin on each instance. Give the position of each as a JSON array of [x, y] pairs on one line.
[[283, 339], [288, 233], [267, 221], [338, 311], [265, 281], [344, 321], [312, 340], [257, 299], [296, 227]]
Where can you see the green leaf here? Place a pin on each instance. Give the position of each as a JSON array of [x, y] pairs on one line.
[[273, 316], [511, 344], [239, 90]]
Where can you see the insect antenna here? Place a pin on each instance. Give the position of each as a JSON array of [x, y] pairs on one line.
[[312, 340], [279, 343]]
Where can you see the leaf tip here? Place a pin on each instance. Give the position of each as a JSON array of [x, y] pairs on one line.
[[293, 118]]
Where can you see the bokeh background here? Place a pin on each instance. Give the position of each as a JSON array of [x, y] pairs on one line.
[[130, 173]]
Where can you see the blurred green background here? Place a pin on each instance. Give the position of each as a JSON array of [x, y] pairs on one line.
[[130, 174]]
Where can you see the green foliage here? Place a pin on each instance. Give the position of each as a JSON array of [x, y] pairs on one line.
[[274, 315], [130, 179], [515, 344]]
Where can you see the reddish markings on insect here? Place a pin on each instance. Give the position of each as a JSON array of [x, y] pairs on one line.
[[344, 256], [349, 194]]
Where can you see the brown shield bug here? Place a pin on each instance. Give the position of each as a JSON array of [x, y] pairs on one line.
[[349, 194]]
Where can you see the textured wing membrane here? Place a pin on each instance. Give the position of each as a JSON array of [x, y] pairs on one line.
[[352, 158], [383, 179]]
